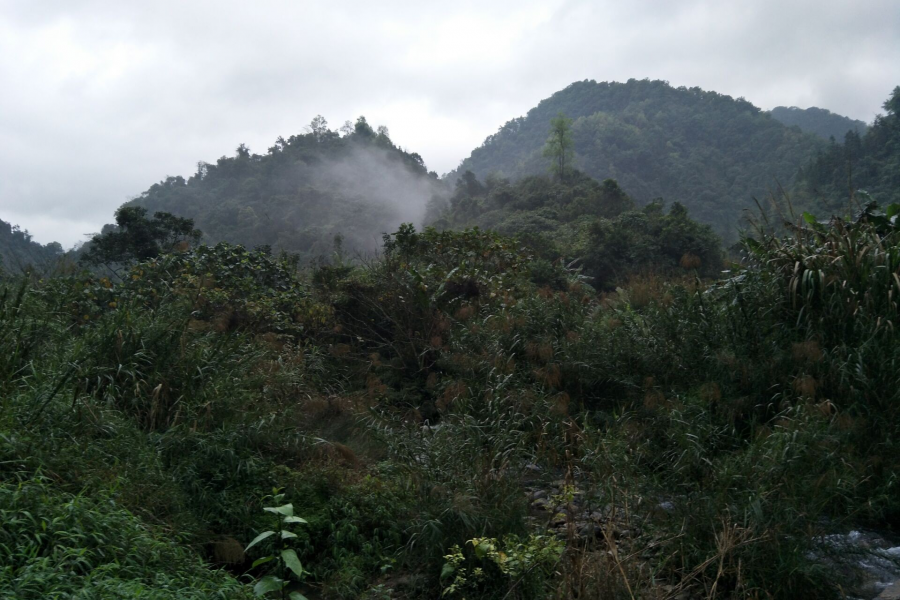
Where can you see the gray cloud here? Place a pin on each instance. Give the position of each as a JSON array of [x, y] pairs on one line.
[[102, 98]]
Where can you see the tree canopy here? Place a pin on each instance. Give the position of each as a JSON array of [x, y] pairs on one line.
[[819, 121], [19, 252], [136, 238], [593, 223], [708, 151], [303, 191], [559, 146], [869, 162]]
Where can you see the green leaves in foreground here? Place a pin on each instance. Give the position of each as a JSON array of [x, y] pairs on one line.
[[287, 560]]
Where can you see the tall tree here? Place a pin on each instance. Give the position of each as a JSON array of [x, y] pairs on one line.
[[136, 237], [560, 147], [318, 127]]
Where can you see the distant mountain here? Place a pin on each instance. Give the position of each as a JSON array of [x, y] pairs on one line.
[[710, 152], [869, 162], [304, 191], [819, 121], [18, 251]]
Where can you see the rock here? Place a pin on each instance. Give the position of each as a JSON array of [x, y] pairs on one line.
[[228, 551], [541, 504], [539, 494], [586, 529], [892, 592]]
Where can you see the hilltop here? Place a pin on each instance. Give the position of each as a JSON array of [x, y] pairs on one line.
[[708, 151], [819, 121], [303, 192], [18, 251]]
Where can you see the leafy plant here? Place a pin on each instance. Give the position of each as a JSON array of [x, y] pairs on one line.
[[285, 559]]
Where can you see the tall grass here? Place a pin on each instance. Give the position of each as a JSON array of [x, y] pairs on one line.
[[723, 428]]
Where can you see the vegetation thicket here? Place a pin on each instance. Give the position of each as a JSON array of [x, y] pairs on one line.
[[718, 432], [585, 223]]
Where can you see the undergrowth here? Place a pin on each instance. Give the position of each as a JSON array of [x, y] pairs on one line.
[[404, 406]]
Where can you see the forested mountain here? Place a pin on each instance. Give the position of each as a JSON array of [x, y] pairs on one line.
[[554, 392], [303, 192], [708, 151], [18, 251], [819, 121], [870, 162]]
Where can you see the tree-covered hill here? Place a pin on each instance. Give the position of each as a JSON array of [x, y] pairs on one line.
[[710, 152], [18, 251], [819, 121], [869, 162], [585, 222], [303, 192]]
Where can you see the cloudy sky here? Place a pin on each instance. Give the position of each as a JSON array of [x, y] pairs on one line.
[[99, 99]]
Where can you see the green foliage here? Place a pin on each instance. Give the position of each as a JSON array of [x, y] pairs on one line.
[[527, 566], [868, 160], [137, 238], [649, 240], [19, 253], [303, 191], [589, 222], [819, 121], [559, 146], [283, 558], [714, 433], [709, 152], [58, 545]]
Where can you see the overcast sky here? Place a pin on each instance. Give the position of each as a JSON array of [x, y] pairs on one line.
[[100, 99]]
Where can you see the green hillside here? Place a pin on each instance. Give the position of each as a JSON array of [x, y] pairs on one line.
[[19, 252], [710, 152], [869, 162], [819, 121], [303, 192]]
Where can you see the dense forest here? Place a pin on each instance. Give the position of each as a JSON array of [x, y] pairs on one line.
[[19, 252], [819, 121], [869, 162], [582, 221], [557, 388], [304, 191], [710, 152]]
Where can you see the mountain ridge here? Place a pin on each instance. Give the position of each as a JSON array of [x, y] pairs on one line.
[[709, 151]]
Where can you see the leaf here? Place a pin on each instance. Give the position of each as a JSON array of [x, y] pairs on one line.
[[259, 538], [267, 584], [296, 596], [447, 571], [261, 561], [284, 509], [482, 549], [295, 520], [809, 218], [286, 535], [292, 562]]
